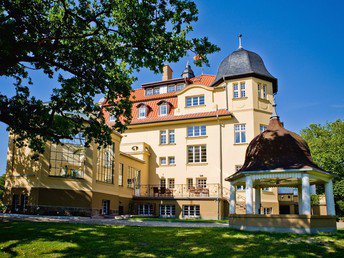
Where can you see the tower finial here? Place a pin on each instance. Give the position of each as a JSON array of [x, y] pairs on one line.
[[240, 40], [274, 112]]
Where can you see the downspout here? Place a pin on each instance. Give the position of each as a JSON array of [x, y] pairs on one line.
[[227, 105], [221, 174]]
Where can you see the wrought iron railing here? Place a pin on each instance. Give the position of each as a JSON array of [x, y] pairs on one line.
[[178, 190]]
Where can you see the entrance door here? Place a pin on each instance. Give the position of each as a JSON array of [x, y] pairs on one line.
[[15, 202], [284, 209], [120, 210], [105, 207]]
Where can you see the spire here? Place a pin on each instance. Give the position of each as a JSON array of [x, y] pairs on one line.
[[240, 40], [188, 73], [274, 112]]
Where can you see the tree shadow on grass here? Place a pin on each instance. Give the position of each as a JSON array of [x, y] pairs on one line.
[[70, 240]]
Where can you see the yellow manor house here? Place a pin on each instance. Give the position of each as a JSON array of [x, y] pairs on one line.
[[187, 135]]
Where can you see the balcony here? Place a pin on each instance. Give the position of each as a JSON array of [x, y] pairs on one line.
[[178, 191]]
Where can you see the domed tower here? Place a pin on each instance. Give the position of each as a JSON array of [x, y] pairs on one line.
[[249, 89]]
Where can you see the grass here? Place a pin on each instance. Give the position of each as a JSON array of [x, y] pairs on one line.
[[75, 240], [178, 220]]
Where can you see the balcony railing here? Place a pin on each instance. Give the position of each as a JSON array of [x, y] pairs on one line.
[[179, 190]]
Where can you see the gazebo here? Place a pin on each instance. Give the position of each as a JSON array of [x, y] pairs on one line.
[[280, 158]]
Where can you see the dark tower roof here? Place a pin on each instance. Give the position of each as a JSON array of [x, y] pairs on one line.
[[277, 148], [243, 63], [188, 73]]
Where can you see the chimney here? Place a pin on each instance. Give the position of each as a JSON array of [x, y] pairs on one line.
[[167, 73]]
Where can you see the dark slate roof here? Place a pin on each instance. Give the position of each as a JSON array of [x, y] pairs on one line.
[[277, 148], [243, 63], [188, 73]]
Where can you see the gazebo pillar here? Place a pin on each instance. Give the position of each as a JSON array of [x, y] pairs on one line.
[[232, 198], [299, 195], [257, 200], [329, 198], [306, 197], [249, 195]]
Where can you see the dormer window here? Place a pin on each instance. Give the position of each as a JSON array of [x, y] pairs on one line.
[[142, 111], [149, 92], [156, 90], [164, 108], [171, 88], [180, 87]]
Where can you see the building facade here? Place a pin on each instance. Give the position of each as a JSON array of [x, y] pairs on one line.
[[188, 134], [198, 129], [70, 179]]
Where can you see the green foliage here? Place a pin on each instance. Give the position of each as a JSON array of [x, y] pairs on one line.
[[2, 185], [315, 200], [326, 144], [91, 47]]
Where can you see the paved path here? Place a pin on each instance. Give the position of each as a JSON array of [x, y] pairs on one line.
[[119, 222]]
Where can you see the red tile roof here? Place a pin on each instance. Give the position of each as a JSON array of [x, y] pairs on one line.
[[139, 94], [155, 118], [204, 79]]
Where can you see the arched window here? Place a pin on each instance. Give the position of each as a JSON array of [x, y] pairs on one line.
[[163, 109], [142, 111]]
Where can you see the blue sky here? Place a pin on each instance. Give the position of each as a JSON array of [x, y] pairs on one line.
[[301, 43]]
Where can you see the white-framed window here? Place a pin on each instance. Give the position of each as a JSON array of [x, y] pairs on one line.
[[163, 137], [242, 90], [133, 175], [237, 167], [180, 87], [240, 188], [195, 131], [145, 209], [171, 136], [171, 88], [156, 90], [259, 90], [195, 101], [197, 154], [149, 92], [120, 174], [266, 189], [163, 182], [171, 160], [163, 109], [264, 91], [171, 182], [142, 111], [163, 161], [235, 91], [240, 133], [201, 183], [191, 211], [262, 128], [189, 183], [267, 210], [167, 211]]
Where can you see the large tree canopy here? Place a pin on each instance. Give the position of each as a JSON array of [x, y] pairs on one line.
[[92, 47], [326, 144]]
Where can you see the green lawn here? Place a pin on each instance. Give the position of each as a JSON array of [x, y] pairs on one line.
[[178, 220], [71, 240]]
